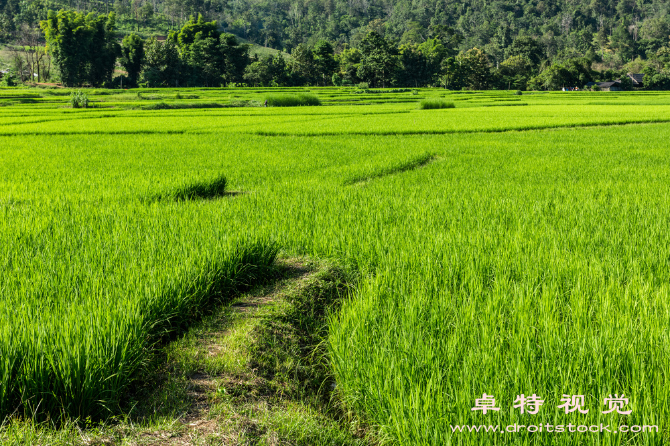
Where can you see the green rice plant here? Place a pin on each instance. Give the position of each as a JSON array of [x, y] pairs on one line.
[[201, 190], [286, 100], [434, 103], [79, 99], [186, 96], [488, 263]]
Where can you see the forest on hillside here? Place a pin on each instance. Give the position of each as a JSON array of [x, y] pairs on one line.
[[615, 30], [539, 44]]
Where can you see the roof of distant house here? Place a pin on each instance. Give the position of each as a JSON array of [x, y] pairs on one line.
[[608, 84], [637, 78]]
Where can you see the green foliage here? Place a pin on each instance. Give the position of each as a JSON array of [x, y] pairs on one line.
[[415, 69], [427, 54], [288, 100], [324, 61], [79, 99], [132, 57], [516, 71], [303, 66], [162, 63], [194, 30], [379, 60], [623, 43], [8, 80], [571, 73], [83, 46], [527, 48], [203, 190], [626, 83], [475, 71], [210, 58], [434, 103], [269, 71]]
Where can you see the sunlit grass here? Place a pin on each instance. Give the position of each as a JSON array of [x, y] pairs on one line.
[[500, 263]]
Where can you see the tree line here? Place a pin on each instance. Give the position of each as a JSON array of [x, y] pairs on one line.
[[85, 49], [615, 35], [617, 31]]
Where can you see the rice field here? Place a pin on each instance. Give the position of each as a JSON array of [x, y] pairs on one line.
[[511, 245]]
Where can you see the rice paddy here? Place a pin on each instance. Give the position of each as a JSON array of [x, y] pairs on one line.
[[509, 245]]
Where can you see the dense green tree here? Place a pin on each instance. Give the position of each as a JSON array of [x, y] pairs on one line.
[[572, 73], [83, 47], [528, 48], [450, 74], [414, 69], [303, 67], [235, 58], [622, 42], [435, 52], [204, 62], [515, 72], [417, 41], [476, 70], [655, 79], [197, 29], [414, 34], [448, 37], [656, 28], [132, 57], [162, 63], [268, 71], [324, 61], [349, 60], [209, 57], [379, 60]]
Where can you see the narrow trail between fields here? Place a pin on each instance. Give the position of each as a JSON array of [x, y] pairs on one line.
[[254, 373]]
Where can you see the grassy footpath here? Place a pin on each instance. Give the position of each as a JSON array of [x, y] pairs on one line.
[[255, 372]]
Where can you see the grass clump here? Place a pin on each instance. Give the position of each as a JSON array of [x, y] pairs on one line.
[[79, 99], [431, 104], [197, 191], [292, 100], [186, 96]]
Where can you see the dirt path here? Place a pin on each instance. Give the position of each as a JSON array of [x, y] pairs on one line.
[[251, 374]]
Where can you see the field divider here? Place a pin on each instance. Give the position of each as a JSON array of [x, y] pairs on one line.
[[462, 131], [404, 167]]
